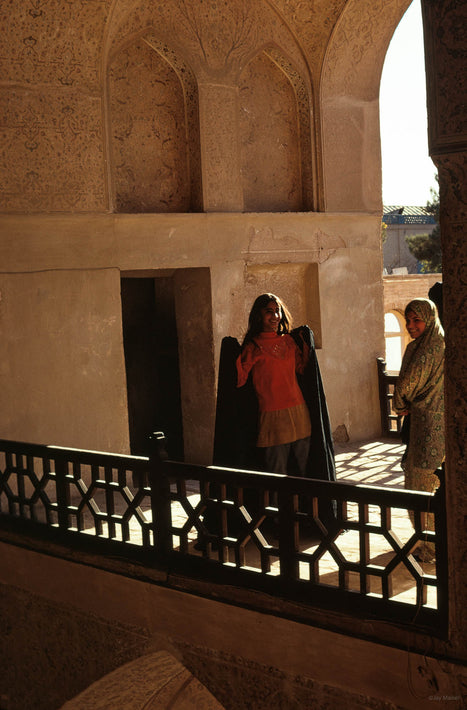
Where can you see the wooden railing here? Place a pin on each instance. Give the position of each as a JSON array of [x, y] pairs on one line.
[[390, 421], [271, 533]]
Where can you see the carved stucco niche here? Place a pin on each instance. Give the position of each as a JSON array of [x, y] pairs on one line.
[[275, 131], [216, 38], [312, 24], [154, 137]]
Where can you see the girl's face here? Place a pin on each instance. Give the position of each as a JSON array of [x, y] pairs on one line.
[[415, 325], [271, 317]]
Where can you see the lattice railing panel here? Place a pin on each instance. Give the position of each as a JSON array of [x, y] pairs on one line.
[[28, 487], [234, 525], [329, 544], [85, 493]]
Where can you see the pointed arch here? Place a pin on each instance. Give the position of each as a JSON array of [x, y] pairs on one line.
[[276, 137], [349, 98], [153, 132]]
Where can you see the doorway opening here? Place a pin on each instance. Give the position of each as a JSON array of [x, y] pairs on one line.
[[152, 363]]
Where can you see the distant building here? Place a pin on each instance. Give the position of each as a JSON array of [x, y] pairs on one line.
[[403, 221]]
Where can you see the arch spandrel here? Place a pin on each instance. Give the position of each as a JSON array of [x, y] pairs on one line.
[[216, 39], [358, 45], [312, 22]]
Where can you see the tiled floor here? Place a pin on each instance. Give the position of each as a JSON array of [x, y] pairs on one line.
[[377, 463], [372, 462]]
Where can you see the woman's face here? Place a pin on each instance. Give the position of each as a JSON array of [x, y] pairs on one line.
[[271, 316], [414, 324]]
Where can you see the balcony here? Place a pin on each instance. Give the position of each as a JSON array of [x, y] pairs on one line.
[[339, 548]]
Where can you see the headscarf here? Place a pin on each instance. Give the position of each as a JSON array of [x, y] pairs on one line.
[[420, 389], [422, 369]]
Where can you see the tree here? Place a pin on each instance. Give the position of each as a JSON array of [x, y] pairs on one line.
[[384, 232], [426, 248]]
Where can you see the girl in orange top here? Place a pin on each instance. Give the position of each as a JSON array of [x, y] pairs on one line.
[[273, 358]]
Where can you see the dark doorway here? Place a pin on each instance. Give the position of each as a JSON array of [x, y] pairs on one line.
[[151, 362]]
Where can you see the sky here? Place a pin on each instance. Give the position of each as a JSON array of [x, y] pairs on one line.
[[408, 171]]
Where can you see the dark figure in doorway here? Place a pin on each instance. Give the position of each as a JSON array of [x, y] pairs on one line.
[[435, 294]]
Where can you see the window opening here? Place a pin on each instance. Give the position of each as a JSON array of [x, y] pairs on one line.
[[394, 342]]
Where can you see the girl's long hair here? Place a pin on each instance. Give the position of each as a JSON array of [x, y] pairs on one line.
[[255, 319]]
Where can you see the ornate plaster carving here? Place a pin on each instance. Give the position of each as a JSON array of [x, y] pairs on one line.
[[217, 38], [358, 46], [52, 42], [447, 77], [56, 140]]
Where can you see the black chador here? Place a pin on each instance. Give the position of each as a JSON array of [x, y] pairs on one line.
[[236, 427], [237, 414]]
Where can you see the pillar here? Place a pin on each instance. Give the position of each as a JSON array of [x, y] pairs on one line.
[[446, 71]]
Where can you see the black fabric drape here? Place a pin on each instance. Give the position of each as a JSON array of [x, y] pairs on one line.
[[321, 459], [236, 430], [237, 414]]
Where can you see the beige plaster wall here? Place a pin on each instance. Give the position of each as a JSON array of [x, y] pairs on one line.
[[62, 373], [327, 267], [353, 337], [193, 302], [176, 107], [349, 103]]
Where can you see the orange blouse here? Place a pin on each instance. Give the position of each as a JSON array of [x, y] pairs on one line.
[[273, 361]]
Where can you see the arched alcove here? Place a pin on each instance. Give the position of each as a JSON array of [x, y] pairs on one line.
[[276, 153], [149, 136], [270, 149]]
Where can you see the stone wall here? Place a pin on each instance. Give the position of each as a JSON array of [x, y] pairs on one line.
[[127, 125], [399, 290], [78, 623], [318, 263]]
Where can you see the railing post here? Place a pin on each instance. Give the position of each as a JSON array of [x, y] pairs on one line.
[[160, 495], [288, 542], [441, 551], [383, 395], [63, 493]]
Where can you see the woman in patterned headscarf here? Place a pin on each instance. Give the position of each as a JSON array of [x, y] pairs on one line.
[[419, 392]]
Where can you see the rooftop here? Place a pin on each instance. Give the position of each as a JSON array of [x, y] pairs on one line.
[[407, 214]]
